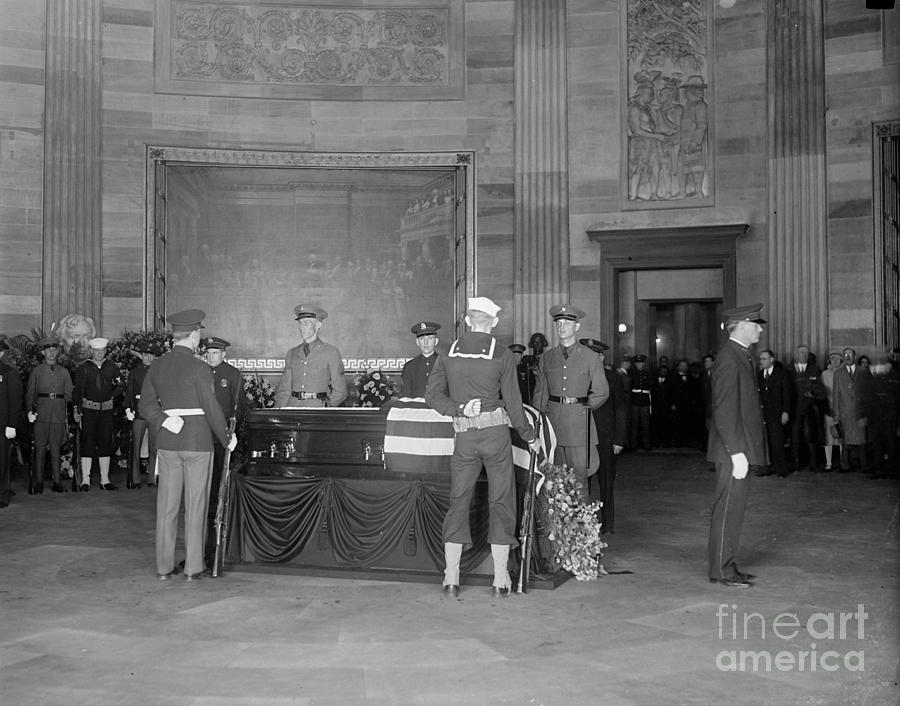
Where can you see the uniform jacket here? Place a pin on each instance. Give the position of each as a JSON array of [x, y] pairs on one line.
[[44, 381], [477, 366], [775, 393], [737, 420], [229, 386], [641, 380], [178, 380], [321, 371], [415, 374], [851, 399], [579, 374], [612, 418], [10, 397], [97, 384], [133, 388]]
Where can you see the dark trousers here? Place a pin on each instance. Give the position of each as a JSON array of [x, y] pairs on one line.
[[491, 448], [606, 479], [218, 465], [775, 437], [725, 525], [848, 451], [640, 427], [97, 428], [139, 427], [884, 446], [5, 454], [47, 436]]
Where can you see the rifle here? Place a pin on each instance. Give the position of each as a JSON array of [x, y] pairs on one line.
[[32, 469], [527, 527], [222, 505], [76, 456]]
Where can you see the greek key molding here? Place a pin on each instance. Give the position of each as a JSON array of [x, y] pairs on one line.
[[331, 49], [350, 364]]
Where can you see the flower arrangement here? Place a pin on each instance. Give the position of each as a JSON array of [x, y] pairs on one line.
[[373, 389], [258, 392], [572, 526]]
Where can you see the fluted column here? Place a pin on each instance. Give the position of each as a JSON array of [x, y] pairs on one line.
[[541, 211], [72, 200], [798, 292]]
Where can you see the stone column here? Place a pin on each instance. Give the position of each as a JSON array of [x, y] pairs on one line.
[[798, 276], [72, 199], [541, 208]]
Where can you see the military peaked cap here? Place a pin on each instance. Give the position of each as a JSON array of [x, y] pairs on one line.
[[565, 311], [424, 328], [517, 348], [309, 312], [594, 344], [189, 320], [750, 312], [214, 342]]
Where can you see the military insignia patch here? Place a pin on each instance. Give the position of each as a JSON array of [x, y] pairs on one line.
[[223, 383]]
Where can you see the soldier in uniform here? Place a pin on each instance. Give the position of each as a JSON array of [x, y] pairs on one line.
[[313, 371], [737, 438], [570, 383], [416, 371], [475, 383], [179, 402], [139, 426], [641, 399], [229, 386], [49, 389], [10, 412], [521, 371], [612, 435], [97, 382]]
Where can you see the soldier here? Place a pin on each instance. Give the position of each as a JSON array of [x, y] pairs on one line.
[[313, 371], [179, 402], [139, 426], [10, 412], [415, 373], [97, 382], [475, 383], [518, 351], [570, 383], [641, 384], [229, 387], [49, 389], [612, 435], [529, 365]]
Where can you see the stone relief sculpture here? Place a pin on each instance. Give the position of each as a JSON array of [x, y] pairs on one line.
[[667, 119]]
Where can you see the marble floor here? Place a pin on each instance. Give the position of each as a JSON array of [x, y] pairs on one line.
[[83, 619]]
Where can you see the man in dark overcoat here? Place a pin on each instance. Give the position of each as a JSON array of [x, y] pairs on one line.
[[810, 402], [178, 399], [10, 414], [775, 393], [736, 439]]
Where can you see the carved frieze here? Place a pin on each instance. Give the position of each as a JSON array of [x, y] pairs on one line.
[[348, 50], [668, 121]]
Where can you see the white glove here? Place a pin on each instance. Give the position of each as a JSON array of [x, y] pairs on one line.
[[472, 408], [10, 432], [741, 466], [232, 442], [536, 445], [32, 417], [173, 424], [129, 414]]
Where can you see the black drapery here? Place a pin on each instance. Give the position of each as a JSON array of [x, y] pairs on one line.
[[272, 519]]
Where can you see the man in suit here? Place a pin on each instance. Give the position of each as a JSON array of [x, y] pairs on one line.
[[49, 389], [570, 383], [313, 371], [611, 420], [179, 401], [10, 413], [148, 351], [851, 399], [775, 393], [475, 384], [736, 439], [415, 373], [709, 361], [807, 409]]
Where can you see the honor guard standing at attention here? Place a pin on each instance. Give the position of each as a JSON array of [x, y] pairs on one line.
[[49, 389], [475, 383], [737, 438], [229, 387], [139, 426], [416, 371], [313, 371], [570, 383], [641, 382], [97, 382], [522, 372], [179, 401], [10, 412]]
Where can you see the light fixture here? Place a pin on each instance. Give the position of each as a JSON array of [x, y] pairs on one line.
[[622, 328]]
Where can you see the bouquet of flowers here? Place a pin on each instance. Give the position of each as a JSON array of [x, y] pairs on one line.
[[373, 389], [573, 527], [258, 392]]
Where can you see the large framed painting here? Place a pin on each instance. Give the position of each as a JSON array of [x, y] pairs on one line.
[[378, 240]]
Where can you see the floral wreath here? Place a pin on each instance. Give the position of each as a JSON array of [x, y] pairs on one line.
[[373, 388]]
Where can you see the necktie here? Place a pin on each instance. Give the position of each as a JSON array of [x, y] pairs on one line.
[[306, 350], [99, 379], [766, 374], [565, 352]]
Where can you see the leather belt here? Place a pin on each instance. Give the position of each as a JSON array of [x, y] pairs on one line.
[[568, 400], [494, 418], [309, 395], [642, 392], [184, 412], [97, 406], [52, 395]]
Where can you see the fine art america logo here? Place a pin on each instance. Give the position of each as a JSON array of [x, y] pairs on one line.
[[817, 643]]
